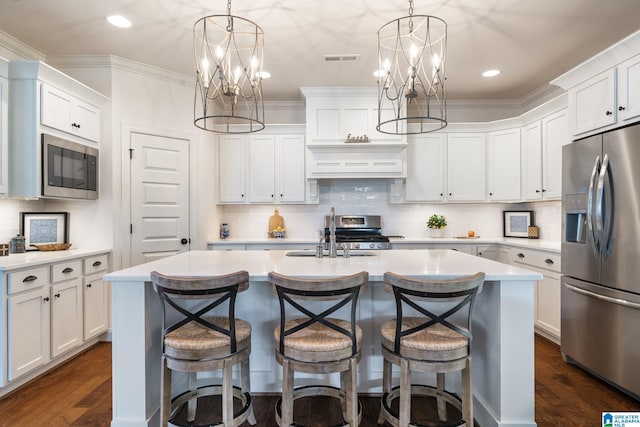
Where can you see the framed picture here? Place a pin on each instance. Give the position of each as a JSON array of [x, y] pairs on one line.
[[44, 228], [516, 223]]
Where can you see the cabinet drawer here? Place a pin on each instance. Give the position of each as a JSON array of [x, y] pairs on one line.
[[34, 278], [66, 270], [96, 264], [540, 259]]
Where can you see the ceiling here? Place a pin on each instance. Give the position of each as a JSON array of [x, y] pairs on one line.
[[531, 41]]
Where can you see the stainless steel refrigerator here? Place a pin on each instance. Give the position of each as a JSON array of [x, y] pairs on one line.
[[600, 297]]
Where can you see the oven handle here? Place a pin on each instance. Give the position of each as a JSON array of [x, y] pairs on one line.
[[617, 301]]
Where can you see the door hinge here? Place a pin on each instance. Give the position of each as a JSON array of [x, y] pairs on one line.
[[130, 153], [130, 228]]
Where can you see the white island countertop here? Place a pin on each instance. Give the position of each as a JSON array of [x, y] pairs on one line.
[[417, 263]]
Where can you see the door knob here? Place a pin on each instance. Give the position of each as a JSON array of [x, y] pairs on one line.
[[184, 241]]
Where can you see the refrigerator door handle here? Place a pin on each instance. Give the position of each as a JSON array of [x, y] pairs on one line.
[[617, 301], [595, 237], [607, 203]]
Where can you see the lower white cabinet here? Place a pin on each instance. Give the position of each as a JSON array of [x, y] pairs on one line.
[[547, 298], [52, 311]]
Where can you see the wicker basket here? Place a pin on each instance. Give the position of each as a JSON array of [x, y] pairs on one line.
[[53, 246]]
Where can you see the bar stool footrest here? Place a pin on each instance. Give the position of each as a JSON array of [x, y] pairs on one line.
[[317, 390], [392, 416], [211, 390]]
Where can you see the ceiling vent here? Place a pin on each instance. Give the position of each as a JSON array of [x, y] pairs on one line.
[[342, 58]]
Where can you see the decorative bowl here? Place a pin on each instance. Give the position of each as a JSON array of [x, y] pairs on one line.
[[53, 246]]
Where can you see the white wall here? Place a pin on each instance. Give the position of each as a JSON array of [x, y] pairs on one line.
[[369, 196]]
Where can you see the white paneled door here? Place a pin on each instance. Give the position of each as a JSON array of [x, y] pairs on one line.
[[159, 197]]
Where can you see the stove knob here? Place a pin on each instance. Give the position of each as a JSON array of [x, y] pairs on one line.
[[356, 246], [379, 245], [372, 245]]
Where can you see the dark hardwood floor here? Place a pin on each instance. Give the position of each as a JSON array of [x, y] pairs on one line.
[[78, 393]]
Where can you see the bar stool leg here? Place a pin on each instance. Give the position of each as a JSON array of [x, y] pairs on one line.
[[344, 392], [165, 398], [386, 386], [192, 404], [227, 394], [467, 394], [352, 393], [405, 394], [245, 381], [287, 395], [442, 405]]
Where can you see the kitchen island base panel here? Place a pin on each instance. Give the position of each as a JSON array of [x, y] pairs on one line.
[[502, 353]]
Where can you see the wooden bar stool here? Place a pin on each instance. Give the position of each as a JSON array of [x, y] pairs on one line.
[[196, 341], [317, 343], [435, 340]]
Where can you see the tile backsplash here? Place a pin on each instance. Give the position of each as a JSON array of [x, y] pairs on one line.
[[370, 196]]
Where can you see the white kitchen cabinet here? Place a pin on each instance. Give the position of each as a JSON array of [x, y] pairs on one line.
[[542, 143], [66, 316], [265, 168], [547, 291], [425, 168], [232, 169], [276, 169], [28, 320], [503, 165], [62, 111], [592, 103], [466, 167], [49, 316], [629, 89], [4, 125]]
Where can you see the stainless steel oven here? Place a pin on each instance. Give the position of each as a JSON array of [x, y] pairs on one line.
[[69, 169], [357, 232]]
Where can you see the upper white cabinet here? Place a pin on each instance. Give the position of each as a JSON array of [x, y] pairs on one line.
[[262, 168], [503, 165], [604, 91], [542, 143], [4, 123], [466, 167], [62, 111], [425, 168]]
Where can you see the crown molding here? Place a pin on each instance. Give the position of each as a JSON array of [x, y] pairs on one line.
[[19, 49]]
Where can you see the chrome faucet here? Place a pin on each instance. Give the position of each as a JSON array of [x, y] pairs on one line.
[[332, 234]]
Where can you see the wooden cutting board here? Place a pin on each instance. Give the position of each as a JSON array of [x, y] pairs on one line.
[[276, 221]]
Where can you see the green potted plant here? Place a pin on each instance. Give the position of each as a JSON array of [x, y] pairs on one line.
[[436, 224]]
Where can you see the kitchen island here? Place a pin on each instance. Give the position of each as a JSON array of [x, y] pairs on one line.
[[503, 353]]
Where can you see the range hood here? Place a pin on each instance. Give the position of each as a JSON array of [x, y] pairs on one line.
[[341, 136]]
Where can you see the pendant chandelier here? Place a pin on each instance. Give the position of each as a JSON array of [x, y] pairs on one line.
[[411, 75], [228, 55]]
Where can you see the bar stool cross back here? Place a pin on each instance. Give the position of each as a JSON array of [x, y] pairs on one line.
[[194, 340]]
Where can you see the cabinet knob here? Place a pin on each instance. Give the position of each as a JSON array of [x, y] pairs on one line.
[[441, 194], [537, 191], [548, 261], [520, 255], [272, 196], [621, 108], [491, 194], [88, 285], [68, 270], [281, 195], [184, 241], [544, 190], [450, 194], [57, 295], [45, 299], [608, 113]]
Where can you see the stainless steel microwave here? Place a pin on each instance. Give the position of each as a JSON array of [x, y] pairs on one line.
[[69, 169]]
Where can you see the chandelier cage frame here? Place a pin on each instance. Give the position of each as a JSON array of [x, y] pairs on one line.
[[228, 54], [411, 75]]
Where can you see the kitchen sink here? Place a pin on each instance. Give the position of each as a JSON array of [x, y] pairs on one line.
[[310, 253]]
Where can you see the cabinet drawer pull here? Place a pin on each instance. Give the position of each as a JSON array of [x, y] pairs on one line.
[[520, 255], [548, 261], [29, 278], [97, 264], [68, 270]]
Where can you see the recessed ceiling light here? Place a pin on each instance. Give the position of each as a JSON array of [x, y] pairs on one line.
[[119, 21], [490, 73]]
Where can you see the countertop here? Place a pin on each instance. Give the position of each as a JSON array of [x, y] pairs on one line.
[[548, 245], [32, 258], [417, 263]]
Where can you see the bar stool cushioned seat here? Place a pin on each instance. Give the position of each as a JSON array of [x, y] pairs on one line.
[[317, 343], [197, 341], [434, 338]]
